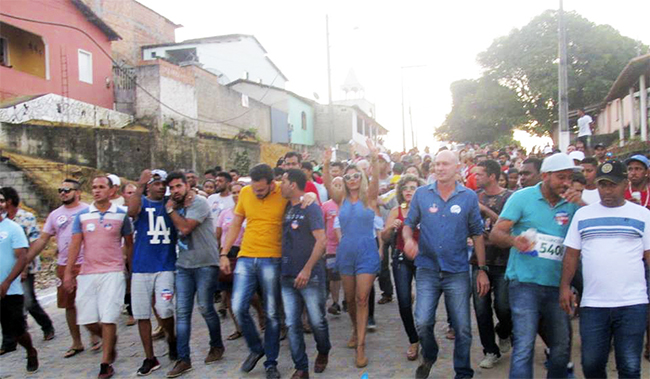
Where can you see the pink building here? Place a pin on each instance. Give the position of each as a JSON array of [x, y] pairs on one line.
[[37, 58]]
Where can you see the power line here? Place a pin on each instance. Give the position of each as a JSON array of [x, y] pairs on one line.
[[116, 64]]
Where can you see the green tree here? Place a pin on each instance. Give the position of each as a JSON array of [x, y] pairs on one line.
[[526, 61], [482, 111]]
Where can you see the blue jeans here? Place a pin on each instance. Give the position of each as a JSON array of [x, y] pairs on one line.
[[249, 274], [295, 300], [404, 274], [201, 282], [529, 303], [626, 325], [483, 309], [430, 284]]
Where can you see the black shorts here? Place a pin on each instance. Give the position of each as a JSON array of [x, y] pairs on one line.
[[12, 319]]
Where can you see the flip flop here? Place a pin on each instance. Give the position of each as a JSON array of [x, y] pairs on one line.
[[97, 345], [72, 352]]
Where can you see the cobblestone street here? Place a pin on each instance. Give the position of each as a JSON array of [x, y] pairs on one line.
[[386, 350]]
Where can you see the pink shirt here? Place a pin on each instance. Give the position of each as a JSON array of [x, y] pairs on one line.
[[59, 224], [102, 237], [224, 221], [330, 211]]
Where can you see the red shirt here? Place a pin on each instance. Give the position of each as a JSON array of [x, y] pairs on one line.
[[311, 187], [645, 196]]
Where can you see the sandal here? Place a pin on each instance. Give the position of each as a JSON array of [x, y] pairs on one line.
[[97, 346], [234, 336], [413, 352], [362, 359], [72, 352]]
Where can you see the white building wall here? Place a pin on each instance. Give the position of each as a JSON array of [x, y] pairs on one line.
[[232, 59]]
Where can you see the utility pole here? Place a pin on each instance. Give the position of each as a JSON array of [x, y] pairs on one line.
[[563, 84], [403, 123], [329, 69], [411, 121], [403, 120]]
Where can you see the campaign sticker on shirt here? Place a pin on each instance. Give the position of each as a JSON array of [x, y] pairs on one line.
[[166, 294], [332, 212], [433, 208], [294, 224], [455, 209], [562, 218], [108, 226], [61, 220], [3, 235], [57, 282], [90, 227]]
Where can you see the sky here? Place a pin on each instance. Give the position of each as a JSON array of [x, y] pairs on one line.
[[377, 39]]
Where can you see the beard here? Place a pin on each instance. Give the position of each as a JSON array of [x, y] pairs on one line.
[[68, 202]]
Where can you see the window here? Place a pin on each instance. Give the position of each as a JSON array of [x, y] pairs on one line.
[[85, 67], [303, 120], [153, 54], [360, 125], [4, 57]]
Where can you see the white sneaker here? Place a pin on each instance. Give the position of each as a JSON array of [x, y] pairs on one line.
[[504, 345], [489, 360]]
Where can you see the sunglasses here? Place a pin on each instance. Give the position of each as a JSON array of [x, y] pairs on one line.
[[410, 188], [348, 177], [66, 190]]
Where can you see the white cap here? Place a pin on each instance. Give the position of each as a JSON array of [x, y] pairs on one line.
[[115, 179], [577, 155], [548, 150], [385, 157], [558, 162]]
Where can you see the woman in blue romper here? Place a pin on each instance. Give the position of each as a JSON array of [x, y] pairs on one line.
[[358, 259]]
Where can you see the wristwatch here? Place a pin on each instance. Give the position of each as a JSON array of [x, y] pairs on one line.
[[170, 210], [484, 268]]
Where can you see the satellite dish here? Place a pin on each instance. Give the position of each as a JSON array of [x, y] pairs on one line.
[[316, 96]]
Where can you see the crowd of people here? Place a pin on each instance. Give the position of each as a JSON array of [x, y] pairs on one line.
[[534, 239]]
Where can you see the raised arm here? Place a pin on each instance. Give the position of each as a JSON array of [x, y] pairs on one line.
[[336, 193], [373, 186], [135, 202]]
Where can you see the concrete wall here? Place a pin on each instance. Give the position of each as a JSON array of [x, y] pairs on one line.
[[230, 58], [54, 108], [123, 152], [333, 124], [29, 194], [136, 24], [220, 103]]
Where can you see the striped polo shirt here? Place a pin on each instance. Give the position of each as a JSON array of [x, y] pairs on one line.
[[102, 238]]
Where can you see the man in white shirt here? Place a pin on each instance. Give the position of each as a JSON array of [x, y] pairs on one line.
[[590, 193], [585, 123], [613, 237], [221, 199]]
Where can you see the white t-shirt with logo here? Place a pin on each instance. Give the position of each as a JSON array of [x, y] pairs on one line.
[[218, 204], [612, 242], [583, 125], [590, 196]]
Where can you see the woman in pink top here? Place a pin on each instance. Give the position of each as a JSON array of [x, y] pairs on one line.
[[223, 224]]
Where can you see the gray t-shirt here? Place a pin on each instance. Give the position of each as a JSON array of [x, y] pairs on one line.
[[199, 249]]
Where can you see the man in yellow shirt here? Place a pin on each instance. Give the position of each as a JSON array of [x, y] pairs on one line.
[[258, 263]]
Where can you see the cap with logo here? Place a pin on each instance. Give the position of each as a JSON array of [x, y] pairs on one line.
[[559, 162], [600, 145], [158, 176], [385, 157], [612, 170], [638, 158]]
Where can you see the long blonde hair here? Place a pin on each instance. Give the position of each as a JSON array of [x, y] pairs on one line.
[[363, 187]]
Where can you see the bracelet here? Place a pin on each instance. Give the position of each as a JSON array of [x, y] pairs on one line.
[[223, 255]]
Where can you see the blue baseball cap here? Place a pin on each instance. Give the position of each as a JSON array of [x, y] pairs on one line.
[[639, 158]]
